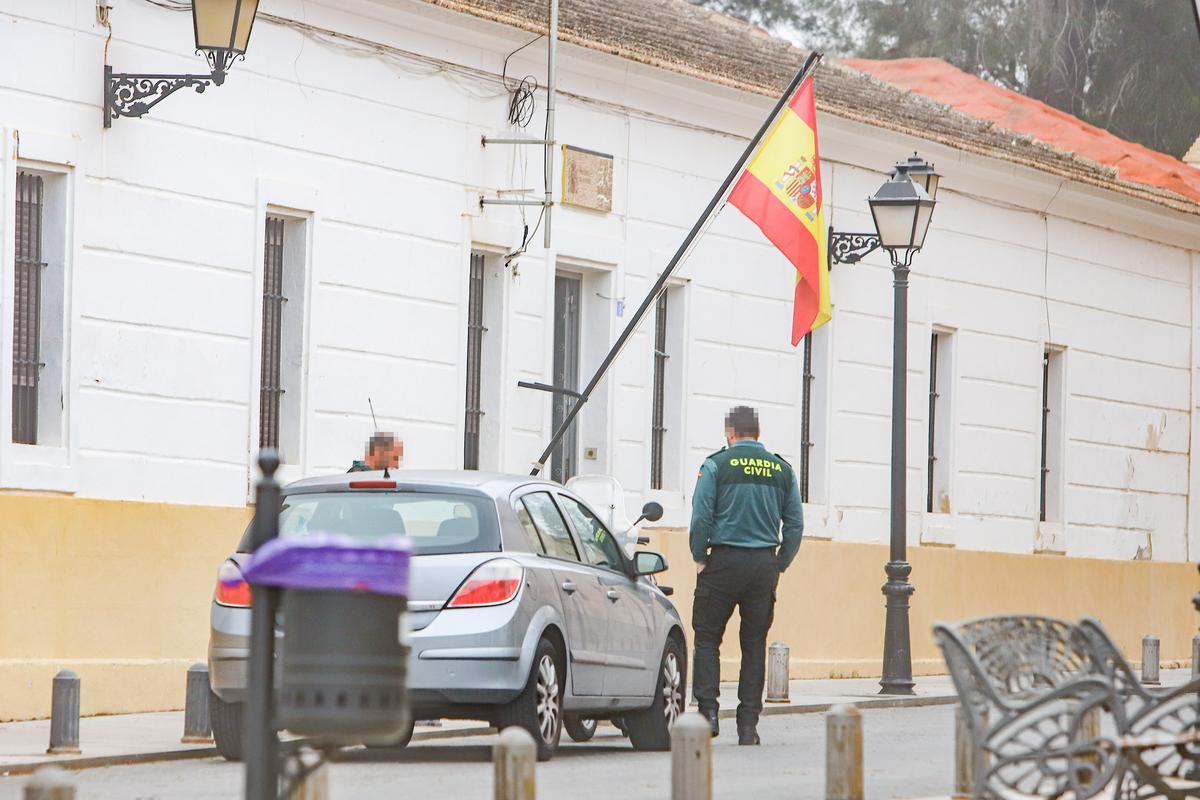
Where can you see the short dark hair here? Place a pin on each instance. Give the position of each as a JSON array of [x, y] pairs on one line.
[[743, 421]]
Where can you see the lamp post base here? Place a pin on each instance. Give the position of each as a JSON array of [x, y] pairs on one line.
[[897, 653]]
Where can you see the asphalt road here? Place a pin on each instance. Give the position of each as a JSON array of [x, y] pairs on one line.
[[908, 753]]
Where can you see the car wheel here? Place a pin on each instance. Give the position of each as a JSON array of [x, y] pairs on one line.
[[226, 721], [399, 742], [580, 729], [650, 728], [538, 709]]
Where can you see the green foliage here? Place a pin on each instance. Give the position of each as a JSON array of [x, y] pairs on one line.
[[1130, 66]]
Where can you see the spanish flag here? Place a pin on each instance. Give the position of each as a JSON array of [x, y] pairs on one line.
[[780, 191]]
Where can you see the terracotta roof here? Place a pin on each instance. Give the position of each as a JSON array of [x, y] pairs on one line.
[[678, 36], [945, 83]]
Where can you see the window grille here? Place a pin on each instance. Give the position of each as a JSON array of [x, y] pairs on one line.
[[933, 398], [658, 429], [27, 307], [475, 331], [1045, 470], [806, 442], [270, 382]]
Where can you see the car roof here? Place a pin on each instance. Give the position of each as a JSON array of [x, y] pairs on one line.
[[496, 484]]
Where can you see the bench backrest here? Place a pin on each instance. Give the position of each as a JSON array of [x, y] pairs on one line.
[[1006, 660]]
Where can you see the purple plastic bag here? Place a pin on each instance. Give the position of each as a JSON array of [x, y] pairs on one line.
[[333, 562]]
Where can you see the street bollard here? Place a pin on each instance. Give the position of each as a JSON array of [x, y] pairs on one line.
[[1196, 656], [315, 785], [49, 783], [964, 762], [513, 761], [1150, 660], [777, 673], [64, 714], [691, 758], [843, 754], [196, 726]]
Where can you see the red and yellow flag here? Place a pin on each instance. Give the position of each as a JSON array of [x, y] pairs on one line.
[[780, 191]]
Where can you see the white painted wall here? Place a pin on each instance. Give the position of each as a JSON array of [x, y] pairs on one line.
[[380, 154]]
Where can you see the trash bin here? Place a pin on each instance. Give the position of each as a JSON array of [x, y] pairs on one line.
[[344, 656]]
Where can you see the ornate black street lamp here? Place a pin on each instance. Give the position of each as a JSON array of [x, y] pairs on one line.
[[902, 209], [222, 29]]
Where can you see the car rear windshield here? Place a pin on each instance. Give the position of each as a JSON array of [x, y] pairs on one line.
[[436, 522]]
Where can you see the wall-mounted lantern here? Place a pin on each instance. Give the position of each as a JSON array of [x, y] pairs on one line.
[[222, 29]]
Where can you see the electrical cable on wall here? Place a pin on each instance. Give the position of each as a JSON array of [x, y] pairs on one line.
[[521, 96]]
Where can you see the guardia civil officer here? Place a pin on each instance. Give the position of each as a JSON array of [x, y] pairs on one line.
[[744, 494]]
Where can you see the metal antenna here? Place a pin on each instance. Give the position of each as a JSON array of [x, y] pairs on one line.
[[373, 420]]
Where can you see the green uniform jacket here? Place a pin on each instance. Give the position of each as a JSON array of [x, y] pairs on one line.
[[743, 495]]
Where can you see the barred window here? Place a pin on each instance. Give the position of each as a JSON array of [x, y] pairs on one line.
[[658, 429], [941, 372], [1050, 505], [806, 431], [27, 301], [475, 331], [270, 384]]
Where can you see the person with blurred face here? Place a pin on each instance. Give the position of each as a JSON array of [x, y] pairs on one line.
[[744, 495], [385, 451]]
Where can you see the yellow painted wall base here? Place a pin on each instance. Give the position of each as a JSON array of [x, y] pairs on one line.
[[119, 592], [830, 610]]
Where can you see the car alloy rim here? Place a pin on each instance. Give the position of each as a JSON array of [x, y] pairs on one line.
[[588, 724], [547, 698], [672, 689]]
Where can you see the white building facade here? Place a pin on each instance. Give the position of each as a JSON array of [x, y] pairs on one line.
[[326, 199]]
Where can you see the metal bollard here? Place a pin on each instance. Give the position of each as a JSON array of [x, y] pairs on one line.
[[843, 754], [196, 726], [49, 783], [64, 714], [691, 758], [1150, 660], [777, 673], [1196, 656], [513, 763]]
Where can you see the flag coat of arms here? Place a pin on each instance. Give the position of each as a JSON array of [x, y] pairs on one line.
[[780, 191]]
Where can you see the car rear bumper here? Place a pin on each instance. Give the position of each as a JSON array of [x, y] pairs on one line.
[[462, 657]]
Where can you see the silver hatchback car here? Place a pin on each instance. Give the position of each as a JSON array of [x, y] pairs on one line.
[[524, 609]]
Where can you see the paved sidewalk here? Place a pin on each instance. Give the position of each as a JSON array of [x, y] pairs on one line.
[[139, 738]]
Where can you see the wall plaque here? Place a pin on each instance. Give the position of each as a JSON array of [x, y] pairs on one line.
[[587, 179]]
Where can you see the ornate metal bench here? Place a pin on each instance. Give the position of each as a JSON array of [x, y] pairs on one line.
[[1055, 711]]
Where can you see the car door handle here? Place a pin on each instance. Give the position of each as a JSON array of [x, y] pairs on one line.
[[568, 587], [613, 594]]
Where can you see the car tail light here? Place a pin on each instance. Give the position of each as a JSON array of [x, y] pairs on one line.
[[372, 484], [232, 589], [491, 584]]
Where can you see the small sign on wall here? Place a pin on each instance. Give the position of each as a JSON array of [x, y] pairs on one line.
[[587, 179]]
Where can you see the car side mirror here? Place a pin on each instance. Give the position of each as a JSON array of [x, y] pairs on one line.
[[647, 563]]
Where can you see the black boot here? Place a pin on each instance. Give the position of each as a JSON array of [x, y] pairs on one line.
[[713, 720], [748, 735]]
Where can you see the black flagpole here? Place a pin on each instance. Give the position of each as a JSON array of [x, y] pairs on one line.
[[810, 64]]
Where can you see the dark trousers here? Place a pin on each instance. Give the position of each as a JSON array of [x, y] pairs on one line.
[[745, 579]]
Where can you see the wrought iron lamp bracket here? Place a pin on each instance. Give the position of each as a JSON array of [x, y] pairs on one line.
[[850, 248], [131, 94]]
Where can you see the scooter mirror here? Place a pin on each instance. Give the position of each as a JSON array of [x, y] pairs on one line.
[[652, 511]]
